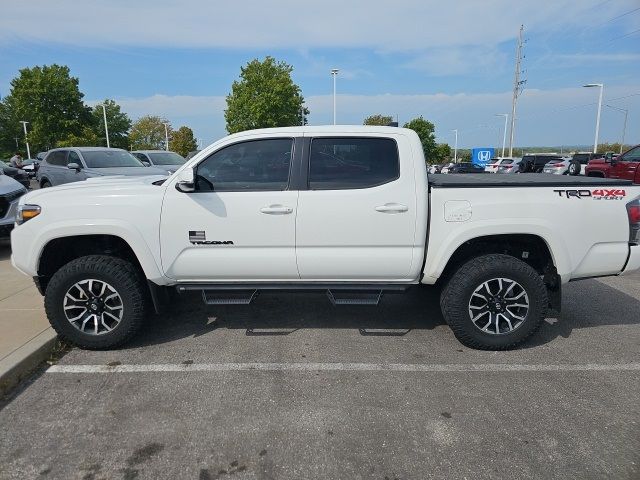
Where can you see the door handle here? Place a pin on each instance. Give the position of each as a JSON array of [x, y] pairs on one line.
[[276, 210], [392, 208]]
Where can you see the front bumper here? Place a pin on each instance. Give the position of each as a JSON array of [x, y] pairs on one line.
[[633, 262]]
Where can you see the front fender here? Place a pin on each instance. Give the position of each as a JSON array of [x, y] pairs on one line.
[[27, 246]]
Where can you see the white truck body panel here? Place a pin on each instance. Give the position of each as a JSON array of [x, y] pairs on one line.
[[331, 235]]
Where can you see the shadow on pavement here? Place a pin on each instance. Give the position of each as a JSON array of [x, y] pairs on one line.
[[586, 304]]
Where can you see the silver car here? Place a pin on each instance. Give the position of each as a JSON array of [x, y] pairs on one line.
[[65, 165], [558, 166], [10, 193], [509, 165], [169, 161]]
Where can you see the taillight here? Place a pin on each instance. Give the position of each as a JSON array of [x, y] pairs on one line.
[[633, 210]]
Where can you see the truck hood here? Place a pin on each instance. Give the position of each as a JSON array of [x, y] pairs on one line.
[[96, 186]]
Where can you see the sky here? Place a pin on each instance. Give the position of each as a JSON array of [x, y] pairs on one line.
[[451, 62]]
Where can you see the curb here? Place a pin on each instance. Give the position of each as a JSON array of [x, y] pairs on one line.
[[21, 362]]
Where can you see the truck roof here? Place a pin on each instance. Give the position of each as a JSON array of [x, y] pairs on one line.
[[341, 129]]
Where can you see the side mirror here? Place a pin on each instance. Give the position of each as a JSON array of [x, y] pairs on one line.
[[74, 166], [186, 183], [146, 163], [613, 160]]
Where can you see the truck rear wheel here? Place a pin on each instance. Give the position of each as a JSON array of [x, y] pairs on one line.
[[494, 302], [96, 302]]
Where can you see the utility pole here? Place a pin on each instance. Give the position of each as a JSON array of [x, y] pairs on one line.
[[166, 136], [334, 74], [624, 128], [517, 88], [106, 129], [455, 147], [24, 126]]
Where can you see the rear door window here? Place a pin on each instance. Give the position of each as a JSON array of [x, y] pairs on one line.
[[349, 163]]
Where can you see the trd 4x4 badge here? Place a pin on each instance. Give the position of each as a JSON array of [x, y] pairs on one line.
[[198, 237], [597, 194]]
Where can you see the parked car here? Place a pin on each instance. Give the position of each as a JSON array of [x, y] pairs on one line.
[[444, 168], [535, 162], [30, 166], [169, 161], [253, 213], [579, 161], [625, 166], [466, 167], [559, 166], [64, 165], [10, 193], [494, 163], [15, 173], [510, 165]]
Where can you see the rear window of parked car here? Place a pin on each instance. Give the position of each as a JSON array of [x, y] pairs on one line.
[[343, 163]]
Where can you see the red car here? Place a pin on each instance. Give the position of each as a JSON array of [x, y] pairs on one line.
[[625, 166]]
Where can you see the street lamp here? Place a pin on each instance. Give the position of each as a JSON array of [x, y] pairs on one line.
[[624, 128], [334, 74], [455, 147], [601, 85], [106, 129], [166, 136], [504, 135], [24, 127]]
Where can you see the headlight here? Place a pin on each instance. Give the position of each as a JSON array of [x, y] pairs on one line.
[[27, 212]]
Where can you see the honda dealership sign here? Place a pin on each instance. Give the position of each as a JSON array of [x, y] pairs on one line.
[[481, 156]]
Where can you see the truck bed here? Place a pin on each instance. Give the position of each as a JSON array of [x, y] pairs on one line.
[[486, 180]]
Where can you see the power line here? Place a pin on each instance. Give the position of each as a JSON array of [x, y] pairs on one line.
[[626, 35], [624, 14]]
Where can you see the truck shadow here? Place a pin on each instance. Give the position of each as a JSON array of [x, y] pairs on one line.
[[278, 314], [586, 304]]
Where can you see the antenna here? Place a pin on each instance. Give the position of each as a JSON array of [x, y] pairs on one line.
[[518, 87]]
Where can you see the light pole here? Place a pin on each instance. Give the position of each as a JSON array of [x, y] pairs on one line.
[[601, 85], [455, 147], [624, 128], [166, 136], [504, 135], [106, 129], [334, 74], [24, 127]]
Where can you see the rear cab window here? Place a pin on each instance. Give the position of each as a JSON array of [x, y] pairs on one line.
[[338, 163]]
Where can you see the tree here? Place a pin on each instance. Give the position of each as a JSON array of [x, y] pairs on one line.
[[443, 152], [118, 124], [425, 131], [87, 138], [378, 119], [264, 96], [147, 133], [183, 141], [49, 99]]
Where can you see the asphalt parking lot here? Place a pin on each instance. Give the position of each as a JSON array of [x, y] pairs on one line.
[[292, 387]]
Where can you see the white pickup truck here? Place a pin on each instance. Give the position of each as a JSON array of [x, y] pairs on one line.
[[349, 211]]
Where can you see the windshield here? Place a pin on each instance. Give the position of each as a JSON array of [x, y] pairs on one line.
[[506, 161], [166, 158], [110, 158]]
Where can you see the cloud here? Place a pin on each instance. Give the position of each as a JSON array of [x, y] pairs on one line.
[[445, 61], [546, 117], [404, 25], [595, 58]]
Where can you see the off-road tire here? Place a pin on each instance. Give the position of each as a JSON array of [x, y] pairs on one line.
[[118, 273], [455, 297]]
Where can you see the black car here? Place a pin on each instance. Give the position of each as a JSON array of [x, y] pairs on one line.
[[466, 167], [535, 162], [16, 174]]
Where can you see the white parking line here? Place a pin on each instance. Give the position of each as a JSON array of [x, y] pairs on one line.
[[331, 367]]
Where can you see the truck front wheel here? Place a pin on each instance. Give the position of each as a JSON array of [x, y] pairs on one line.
[[96, 302], [494, 302]]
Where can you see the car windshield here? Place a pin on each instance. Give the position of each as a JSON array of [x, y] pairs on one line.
[[166, 158], [506, 161], [110, 158]]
